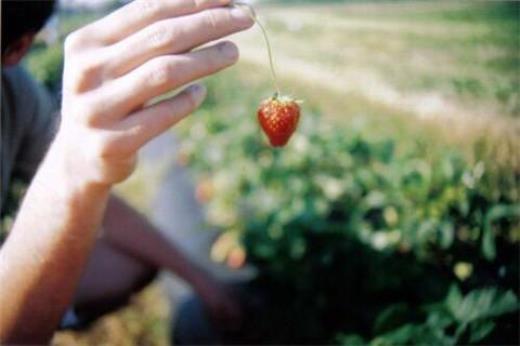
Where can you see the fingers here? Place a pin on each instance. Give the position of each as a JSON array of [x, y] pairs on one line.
[[160, 75], [141, 13], [142, 126], [177, 35]]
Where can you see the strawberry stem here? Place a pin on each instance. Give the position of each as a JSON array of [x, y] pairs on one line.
[[252, 14]]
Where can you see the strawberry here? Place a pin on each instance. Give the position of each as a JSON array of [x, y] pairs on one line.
[[278, 117]]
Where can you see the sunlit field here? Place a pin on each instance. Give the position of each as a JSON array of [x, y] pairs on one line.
[[393, 215]]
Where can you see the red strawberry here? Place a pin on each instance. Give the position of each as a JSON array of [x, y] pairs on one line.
[[278, 117]]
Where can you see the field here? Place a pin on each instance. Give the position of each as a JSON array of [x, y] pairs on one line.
[[428, 59], [409, 147], [453, 65]]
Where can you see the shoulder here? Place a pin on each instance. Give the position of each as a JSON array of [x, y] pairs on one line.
[[17, 82], [28, 124], [26, 101], [26, 97]]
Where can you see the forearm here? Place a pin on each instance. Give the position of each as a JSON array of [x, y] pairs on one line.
[[103, 126], [127, 230], [131, 233], [45, 253]]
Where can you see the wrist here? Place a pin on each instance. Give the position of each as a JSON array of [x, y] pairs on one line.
[[68, 179], [70, 163]]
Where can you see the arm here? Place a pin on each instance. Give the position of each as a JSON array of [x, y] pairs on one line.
[[128, 231], [112, 68], [41, 261], [133, 234]]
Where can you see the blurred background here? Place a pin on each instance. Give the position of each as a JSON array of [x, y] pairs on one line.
[[393, 215]]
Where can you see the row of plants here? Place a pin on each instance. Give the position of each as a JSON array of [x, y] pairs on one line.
[[360, 238]]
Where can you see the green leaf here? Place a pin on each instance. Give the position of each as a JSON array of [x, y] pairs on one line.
[[454, 298], [478, 304], [504, 303], [390, 318], [439, 320], [351, 340], [399, 336], [495, 213], [480, 329], [447, 234]]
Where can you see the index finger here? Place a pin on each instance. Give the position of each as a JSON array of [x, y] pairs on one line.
[[141, 13]]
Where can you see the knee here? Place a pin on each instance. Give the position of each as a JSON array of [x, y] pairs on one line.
[[147, 276]]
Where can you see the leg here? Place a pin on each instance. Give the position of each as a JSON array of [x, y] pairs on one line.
[[124, 261], [110, 279], [192, 325]]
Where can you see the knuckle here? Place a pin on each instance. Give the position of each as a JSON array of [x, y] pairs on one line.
[[211, 19], [162, 36], [104, 147], [80, 109], [97, 147], [202, 4], [88, 112], [135, 132], [161, 73], [196, 4], [149, 8], [72, 42], [89, 67], [84, 73]]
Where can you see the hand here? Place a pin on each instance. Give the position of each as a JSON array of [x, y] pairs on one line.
[[224, 309], [115, 66]]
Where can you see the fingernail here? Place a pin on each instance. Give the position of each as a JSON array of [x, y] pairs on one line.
[[198, 91], [241, 16], [229, 50]]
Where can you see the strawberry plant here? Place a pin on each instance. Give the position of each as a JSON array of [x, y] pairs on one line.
[[358, 236]]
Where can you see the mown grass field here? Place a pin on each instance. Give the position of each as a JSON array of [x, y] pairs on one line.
[[433, 55], [444, 72], [453, 65]]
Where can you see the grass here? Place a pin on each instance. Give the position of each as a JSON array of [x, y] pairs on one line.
[[464, 53], [143, 322]]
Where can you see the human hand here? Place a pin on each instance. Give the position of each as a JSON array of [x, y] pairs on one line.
[[115, 66]]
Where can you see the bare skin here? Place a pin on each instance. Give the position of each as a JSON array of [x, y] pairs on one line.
[[127, 257], [113, 68]]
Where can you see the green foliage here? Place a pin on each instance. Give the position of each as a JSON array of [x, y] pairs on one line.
[[457, 319], [46, 65], [360, 234]]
